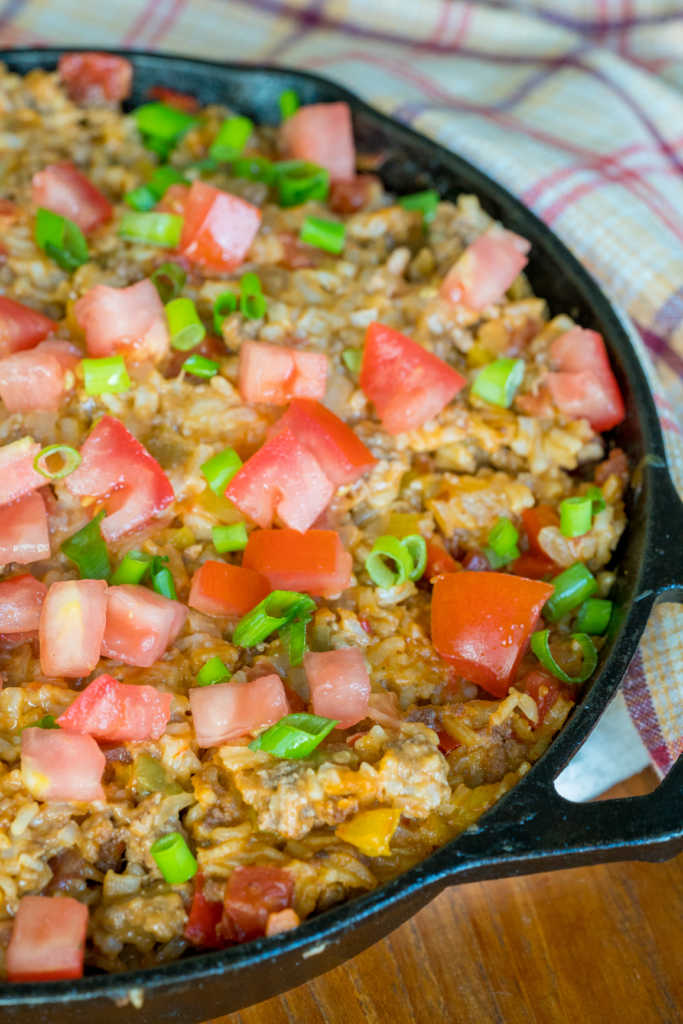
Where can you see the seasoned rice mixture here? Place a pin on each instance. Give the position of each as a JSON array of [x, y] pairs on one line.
[[462, 418]]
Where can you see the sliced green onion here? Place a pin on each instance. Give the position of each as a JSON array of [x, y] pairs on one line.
[[164, 584], [106, 376], [229, 538], [152, 228], [61, 239], [162, 122], [162, 147], [225, 304], [597, 499], [275, 611], [576, 516], [298, 181], [294, 735], [69, 460], [572, 587], [294, 635], [416, 547], [200, 366], [141, 198], [389, 550], [184, 325], [148, 195], [353, 357], [253, 168], [540, 645], [594, 615], [168, 279], [426, 202], [220, 469], [132, 568], [212, 671], [502, 543], [498, 382], [46, 722], [323, 234], [231, 139], [87, 549], [174, 859], [289, 103], [252, 301]]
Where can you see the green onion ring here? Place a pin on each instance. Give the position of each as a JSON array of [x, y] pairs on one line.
[[71, 460], [385, 549], [540, 645]]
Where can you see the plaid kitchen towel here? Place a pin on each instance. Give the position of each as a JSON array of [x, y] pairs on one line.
[[575, 105]]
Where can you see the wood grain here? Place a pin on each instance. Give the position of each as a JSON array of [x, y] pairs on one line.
[[599, 944]]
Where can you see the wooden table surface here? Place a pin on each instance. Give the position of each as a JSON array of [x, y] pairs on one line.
[[596, 944]]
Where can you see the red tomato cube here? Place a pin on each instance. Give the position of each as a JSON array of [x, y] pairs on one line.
[[314, 562], [482, 623], [24, 536], [486, 269], [64, 190], [17, 475], [130, 320], [48, 939], [93, 78], [115, 467], [339, 684], [36, 380], [585, 387], [322, 133], [21, 327], [204, 918], [226, 590], [218, 228], [72, 623], [407, 384], [275, 375], [283, 479], [21, 599], [253, 893], [227, 711], [140, 624], [57, 765], [121, 712], [342, 455]]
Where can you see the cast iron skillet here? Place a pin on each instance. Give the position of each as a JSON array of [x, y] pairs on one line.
[[532, 828]]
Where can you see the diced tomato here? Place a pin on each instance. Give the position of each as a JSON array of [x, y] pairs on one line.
[[585, 387], [322, 133], [94, 78], [314, 562], [36, 380], [21, 327], [204, 918], [130, 320], [21, 599], [48, 939], [72, 626], [283, 479], [438, 560], [544, 689], [125, 712], [253, 892], [116, 468], [340, 452], [172, 98], [17, 475], [282, 921], [486, 269], [64, 190], [350, 196], [275, 375], [339, 684], [407, 384], [174, 199], [61, 765], [140, 624], [533, 566], [24, 536], [535, 563], [222, 589], [218, 228], [482, 623], [226, 711]]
